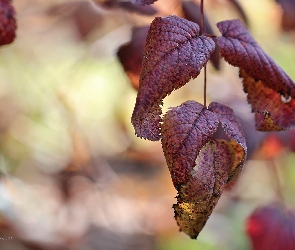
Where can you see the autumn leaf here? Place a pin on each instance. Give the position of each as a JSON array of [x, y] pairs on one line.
[[200, 166], [131, 54], [198, 197], [192, 12], [272, 227], [174, 53], [7, 21], [185, 130], [269, 88]]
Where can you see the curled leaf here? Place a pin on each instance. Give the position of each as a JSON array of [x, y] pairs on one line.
[[234, 131], [241, 50], [174, 53], [272, 227], [185, 130], [200, 167], [198, 197]]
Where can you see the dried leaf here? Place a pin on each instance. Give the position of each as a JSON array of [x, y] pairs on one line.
[[288, 17], [272, 111], [241, 50], [192, 12], [272, 227], [174, 53], [129, 6], [131, 54], [200, 167], [197, 198], [7, 21]]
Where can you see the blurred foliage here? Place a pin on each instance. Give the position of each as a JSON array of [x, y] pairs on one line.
[[74, 176]]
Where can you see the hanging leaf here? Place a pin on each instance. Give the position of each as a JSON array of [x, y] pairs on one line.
[[200, 166], [192, 12], [260, 75], [186, 129], [272, 227], [130, 55], [174, 53], [7, 21]]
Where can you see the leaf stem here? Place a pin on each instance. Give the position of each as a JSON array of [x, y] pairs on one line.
[[202, 17], [277, 183], [202, 32], [205, 85]]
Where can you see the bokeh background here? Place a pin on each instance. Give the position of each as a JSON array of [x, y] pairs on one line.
[[74, 175]]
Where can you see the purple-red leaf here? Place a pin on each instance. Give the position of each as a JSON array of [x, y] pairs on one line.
[[272, 227], [130, 55], [174, 53], [143, 2], [200, 167], [185, 130], [7, 22], [241, 50], [192, 12]]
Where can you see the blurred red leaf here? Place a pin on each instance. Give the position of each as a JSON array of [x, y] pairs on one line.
[[269, 88], [129, 6], [288, 17], [7, 22], [131, 54], [272, 227], [200, 166], [143, 2], [238, 7], [174, 53], [192, 12]]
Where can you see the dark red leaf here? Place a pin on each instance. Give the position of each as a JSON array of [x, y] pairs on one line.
[[192, 12], [200, 167], [241, 50], [288, 17], [127, 5], [143, 2], [131, 54], [198, 197], [7, 22], [272, 227], [174, 53]]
